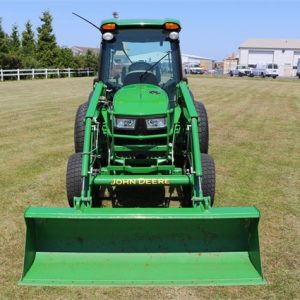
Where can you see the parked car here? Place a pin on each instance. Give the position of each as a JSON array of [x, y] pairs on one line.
[[298, 68], [215, 71], [193, 69], [240, 70], [265, 70]]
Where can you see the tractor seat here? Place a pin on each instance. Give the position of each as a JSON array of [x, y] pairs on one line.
[[135, 77]]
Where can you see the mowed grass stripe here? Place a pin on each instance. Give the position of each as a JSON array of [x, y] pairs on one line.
[[255, 142], [254, 139]]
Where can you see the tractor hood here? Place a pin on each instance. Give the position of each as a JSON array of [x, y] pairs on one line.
[[140, 100]]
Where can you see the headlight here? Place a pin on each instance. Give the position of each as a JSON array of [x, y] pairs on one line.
[[156, 123], [174, 35], [124, 123], [108, 36]]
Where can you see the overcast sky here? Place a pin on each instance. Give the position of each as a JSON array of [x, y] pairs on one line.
[[211, 28]]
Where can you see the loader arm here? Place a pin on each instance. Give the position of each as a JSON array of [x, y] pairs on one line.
[[191, 115], [91, 116]]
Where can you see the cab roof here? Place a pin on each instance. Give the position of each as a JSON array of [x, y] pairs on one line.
[[125, 23]]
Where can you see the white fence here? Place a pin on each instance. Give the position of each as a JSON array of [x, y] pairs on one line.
[[44, 73]]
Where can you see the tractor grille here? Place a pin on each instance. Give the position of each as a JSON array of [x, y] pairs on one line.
[[141, 154], [154, 142]]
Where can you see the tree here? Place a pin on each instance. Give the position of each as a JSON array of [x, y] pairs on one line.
[[28, 42], [46, 43], [28, 47], [14, 40], [29, 53], [3, 40], [79, 61], [7, 60], [10, 61], [64, 58], [91, 60]]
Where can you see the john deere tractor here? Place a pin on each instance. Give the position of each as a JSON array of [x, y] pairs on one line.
[[141, 131]]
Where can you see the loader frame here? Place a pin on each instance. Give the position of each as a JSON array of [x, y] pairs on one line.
[[175, 176]]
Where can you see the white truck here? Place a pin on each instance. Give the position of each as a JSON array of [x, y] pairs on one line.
[[193, 69], [240, 70], [265, 70]]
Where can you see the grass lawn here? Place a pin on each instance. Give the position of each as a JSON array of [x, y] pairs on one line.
[[254, 139]]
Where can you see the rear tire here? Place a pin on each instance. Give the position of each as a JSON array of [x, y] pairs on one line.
[[74, 181], [79, 124], [203, 128]]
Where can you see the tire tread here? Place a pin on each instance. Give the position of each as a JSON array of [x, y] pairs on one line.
[[79, 127], [209, 176], [202, 127]]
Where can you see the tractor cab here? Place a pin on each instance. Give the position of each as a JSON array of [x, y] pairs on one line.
[[140, 54]]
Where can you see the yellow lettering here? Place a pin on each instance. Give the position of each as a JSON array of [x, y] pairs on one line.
[[141, 181]]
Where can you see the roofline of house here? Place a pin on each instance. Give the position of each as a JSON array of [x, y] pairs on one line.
[[268, 48], [195, 56]]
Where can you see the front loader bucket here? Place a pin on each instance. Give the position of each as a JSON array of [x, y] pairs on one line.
[[153, 246]]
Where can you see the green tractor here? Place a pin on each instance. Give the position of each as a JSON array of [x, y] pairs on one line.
[[141, 132]]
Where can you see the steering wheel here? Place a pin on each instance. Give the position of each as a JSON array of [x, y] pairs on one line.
[[139, 66]]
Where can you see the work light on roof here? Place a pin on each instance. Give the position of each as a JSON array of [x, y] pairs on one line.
[[174, 35], [108, 36]]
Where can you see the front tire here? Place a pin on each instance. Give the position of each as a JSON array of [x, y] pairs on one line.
[[73, 178], [208, 182], [74, 181], [209, 177]]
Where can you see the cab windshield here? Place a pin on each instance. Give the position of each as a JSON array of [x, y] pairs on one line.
[[140, 56]]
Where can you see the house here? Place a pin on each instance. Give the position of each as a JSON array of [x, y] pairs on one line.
[[283, 52], [230, 62], [204, 62], [78, 50]]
